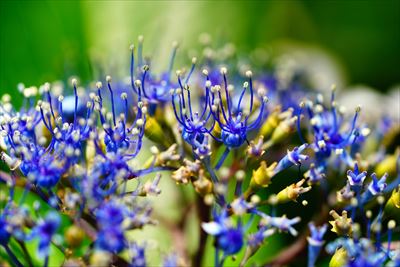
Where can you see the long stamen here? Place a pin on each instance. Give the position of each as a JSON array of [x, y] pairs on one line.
[[245, 85], [353, 124], [228, 100], [47, 90], [208, 85], [189, 101], [145, 70], [171, 62], [249, 74], [298, 122], [108, 79], [132, 67], [333, 107], [60, 107], [74, 82], [124, 97], [194, 60]]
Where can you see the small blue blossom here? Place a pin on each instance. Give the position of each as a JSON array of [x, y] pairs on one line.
[[293, 157], [228, 238], [44, 231], [111, 236], [355, 177], [138, 257], [315, 242], [280, 223], [377, 186], [314, 174]]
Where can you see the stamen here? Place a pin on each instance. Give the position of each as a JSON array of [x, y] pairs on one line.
[[298, 122], [47, 90], [194, 60], [74, 82], [171, 62], [108, 79], [228, 100], [132, 67]]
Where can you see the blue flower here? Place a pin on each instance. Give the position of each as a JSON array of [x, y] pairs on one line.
[[111, 239], [4, 232], [377, 186], [314, 174], [293, 157], [44, 231], [138, 257], [111, 236], [326, 124], [355, 177], [193, 124], [280, 223], [234, 125], [315, 242], [228, 238]]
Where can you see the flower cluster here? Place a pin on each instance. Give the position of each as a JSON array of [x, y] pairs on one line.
[[84, 169]]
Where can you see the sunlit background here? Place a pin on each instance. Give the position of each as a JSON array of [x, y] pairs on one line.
[[352, 43]]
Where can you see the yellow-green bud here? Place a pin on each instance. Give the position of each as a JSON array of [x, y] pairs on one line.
[[262, 176], [270, 124], [292, 192], [341, 224], [339, 259], [154, 131], [74, 236]]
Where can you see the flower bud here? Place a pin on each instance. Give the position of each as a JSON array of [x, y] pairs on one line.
[[153, 131], [292, 192], [262, 176], [74, 236], [341, 224], [339, 259]]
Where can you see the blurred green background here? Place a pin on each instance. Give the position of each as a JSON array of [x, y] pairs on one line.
[[48, 40]]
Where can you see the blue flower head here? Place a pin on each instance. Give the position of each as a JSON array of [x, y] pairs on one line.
[[233, 123], [194, 125], [327, 124]]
